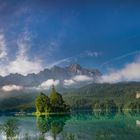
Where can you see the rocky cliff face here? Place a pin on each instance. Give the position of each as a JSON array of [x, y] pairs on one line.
[[76, 69], [55, 72]]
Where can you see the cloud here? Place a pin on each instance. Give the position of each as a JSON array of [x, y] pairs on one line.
[[75, 57], [47, 84], [21, 64], [82, 78], [3, 50], [120, 57], [130, 72], [9, 88], [69, 82], [53, 47], [65, 60], [77, 79], [93, 53]]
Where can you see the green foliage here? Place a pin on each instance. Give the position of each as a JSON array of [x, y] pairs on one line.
[[111, 106], [42, 103], [84, 98], [55, 103], [53, 96], [51, 124], [120, 93], [106, 106], [96, 96], [69, 136], [133, 105], [43, 124], [102, 134], [10, 128]]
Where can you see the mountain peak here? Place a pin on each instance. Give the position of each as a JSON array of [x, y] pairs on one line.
[[56, 72], [74, 67]]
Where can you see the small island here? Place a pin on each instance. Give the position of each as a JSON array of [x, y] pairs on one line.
[[53, 104]]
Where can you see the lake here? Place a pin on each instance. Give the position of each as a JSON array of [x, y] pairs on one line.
[[78, 126]]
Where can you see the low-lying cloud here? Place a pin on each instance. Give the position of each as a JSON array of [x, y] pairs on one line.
[[9, 88], [130, 72], [77, 79], [48, 83]]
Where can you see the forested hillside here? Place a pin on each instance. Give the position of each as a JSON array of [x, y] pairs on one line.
[[82, 98], [86, 96]]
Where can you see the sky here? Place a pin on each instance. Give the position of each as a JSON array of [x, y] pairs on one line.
[[38, 34]]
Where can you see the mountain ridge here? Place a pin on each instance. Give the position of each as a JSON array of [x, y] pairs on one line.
[[56, 72]]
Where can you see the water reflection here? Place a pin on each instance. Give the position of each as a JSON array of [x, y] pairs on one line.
[[10, 129], [53, 124], [109, 115], [69, 136], [138, 123], [103, 134], [96, 126]]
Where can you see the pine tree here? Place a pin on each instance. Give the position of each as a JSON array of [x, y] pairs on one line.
[[42, 103], [55, 103], [53, 96]]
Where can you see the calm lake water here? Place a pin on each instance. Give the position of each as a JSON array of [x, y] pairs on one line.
[[93, 126]]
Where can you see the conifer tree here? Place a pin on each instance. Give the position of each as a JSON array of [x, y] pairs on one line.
[[53, 96]]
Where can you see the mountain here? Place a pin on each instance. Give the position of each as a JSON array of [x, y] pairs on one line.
[[24, 99], [76, 69], [56, 72]]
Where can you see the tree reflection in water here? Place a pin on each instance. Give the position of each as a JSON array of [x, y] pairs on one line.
[[69, 136], [98, 126], [103, 134], [10, 129], [53, 124]]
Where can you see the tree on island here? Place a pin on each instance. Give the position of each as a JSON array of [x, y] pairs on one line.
[[52, 104], [42, 103]]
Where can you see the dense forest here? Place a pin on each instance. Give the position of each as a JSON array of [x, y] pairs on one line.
[[120, 96], [89, 97]]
